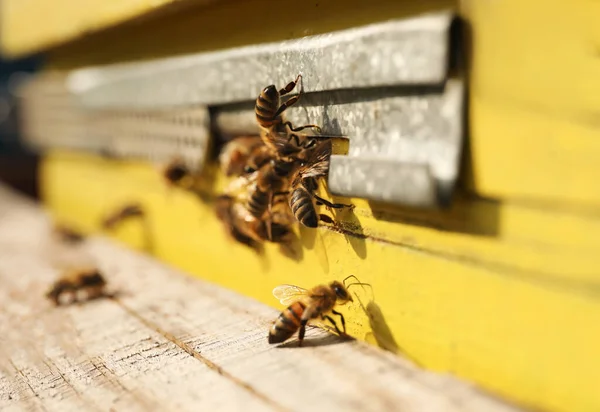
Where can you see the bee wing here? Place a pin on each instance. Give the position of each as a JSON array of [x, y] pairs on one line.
[[317, 165], [288, 294], [240, 183]]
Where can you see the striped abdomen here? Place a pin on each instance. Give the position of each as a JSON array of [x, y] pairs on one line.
[[287, 323], [258, 203], [301, 203], [266, 106]]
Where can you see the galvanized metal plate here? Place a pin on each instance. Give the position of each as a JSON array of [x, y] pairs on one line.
[[385, 86], [55, 119], [392, 133], [410, 52]]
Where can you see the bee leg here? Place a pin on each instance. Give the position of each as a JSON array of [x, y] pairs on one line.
[[341, 319], [289, 124], [326, 219], [330, 319], [328, 204], [270, 221], [290, 86], [301, 332]]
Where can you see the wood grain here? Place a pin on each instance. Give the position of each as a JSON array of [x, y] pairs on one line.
[[494, 292], [168, 341]]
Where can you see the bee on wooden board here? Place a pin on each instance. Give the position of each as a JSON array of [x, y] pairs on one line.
[[124, 213], [308, 305], [67, 235], [73, 284]]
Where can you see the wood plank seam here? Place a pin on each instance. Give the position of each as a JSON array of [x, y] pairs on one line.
[[195, 354], [163, 320]]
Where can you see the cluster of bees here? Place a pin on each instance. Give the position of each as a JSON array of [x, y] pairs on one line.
[[275, 177]]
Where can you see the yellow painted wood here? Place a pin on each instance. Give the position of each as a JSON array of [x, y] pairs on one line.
[[234, 23], [502, 294], [28, 26], [535, 93]]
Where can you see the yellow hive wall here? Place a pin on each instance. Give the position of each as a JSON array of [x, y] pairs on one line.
[[503, 288]]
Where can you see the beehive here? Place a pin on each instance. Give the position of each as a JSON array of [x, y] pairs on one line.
[[500, 288]]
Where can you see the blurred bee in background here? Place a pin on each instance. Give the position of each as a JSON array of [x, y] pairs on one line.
[[177, 173], [249, 230], [237, 153], [308, 305], [74, 284], [124, 213], [67, 234]]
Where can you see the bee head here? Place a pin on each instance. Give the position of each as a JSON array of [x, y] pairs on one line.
[[341, 292]]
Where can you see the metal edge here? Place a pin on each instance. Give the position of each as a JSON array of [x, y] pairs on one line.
[[408, 51]]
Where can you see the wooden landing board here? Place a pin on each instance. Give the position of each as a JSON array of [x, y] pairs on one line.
[[172, 342]]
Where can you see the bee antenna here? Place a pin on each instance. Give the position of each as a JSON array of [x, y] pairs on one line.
[[359, 284], [348, 277]]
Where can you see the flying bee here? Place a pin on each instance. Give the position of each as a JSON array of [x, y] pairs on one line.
[[304, 183], [269, 109], [124, 213], [305, 306], [89, 281]]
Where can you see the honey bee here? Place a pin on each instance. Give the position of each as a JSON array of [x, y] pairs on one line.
[[177, 173], [124, 213], [68, 235], [89, 281], [305, 306], [269, 109], [249, 230], [304, 183], [237, 153]]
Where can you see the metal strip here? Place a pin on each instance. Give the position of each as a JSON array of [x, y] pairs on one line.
[[385, 86], [391, 131], [408, 52]]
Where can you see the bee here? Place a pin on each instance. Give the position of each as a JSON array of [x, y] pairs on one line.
[[68, 235], [237, 153], [89, 281], [269, 109], [304, 183], [124, 213], [177, 173], [249, 230], [309, 305]]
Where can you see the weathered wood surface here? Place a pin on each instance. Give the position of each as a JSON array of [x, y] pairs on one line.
[[168, 341]]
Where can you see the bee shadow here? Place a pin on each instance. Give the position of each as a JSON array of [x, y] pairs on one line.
[[292, 248], [381, 331], [308, 237], [325, 340]]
